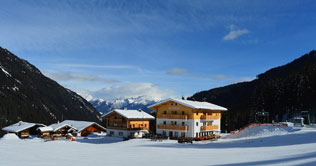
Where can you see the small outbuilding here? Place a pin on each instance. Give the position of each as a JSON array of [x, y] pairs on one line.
[[23, 129], [45, 131]]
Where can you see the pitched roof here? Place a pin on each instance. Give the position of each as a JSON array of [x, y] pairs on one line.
[[45, 129], [81, 125], [193, 104], [58, 126], [132, 114], [20, 126]]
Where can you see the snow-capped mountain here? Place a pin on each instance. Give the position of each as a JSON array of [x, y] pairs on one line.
[[140, 102]]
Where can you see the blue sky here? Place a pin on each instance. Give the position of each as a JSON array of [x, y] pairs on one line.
[[113, 49]]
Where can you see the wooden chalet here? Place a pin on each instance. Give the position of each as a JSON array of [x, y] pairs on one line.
[[127, 123], [23, 129], [84, 128], [61, 129]]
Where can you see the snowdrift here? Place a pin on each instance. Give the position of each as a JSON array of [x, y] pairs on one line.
[[10, 136], [262, 131]]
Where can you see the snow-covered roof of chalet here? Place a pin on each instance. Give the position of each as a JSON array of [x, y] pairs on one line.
[[58, 126], [193, 104], [80, 125], [132, 114], [45, 129], [20, 126]]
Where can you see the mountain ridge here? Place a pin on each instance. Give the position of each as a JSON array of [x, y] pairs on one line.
[[105, 106], [26, 94]]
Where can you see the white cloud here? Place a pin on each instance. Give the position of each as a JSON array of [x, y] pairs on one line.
[[128, 89], [234, 33], [177, 71], [98, 66], [220, 77], [245, 79], [65, 76]]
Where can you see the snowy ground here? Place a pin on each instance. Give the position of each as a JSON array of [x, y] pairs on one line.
[[270, 146]]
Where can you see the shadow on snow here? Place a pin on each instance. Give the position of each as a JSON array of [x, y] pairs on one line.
[[272, 141], [305, 156]]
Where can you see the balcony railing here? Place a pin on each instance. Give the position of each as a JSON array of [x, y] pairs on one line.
[[172, 127], [125, 128], [173, 116], [213, 127], [210, 117]]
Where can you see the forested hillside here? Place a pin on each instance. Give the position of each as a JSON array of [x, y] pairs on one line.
[[27, 95], [283, 91]]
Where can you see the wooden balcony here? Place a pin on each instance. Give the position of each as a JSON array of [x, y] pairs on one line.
[[172, 127], [117, 120], [210, 117], [173, 116], [213, 127]]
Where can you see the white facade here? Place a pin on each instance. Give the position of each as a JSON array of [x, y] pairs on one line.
[[126, 133], [194, 127]]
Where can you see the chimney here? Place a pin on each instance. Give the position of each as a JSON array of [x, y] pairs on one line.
[[139, 110], [20, 123]]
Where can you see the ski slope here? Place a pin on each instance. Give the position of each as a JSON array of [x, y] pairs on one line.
[[296, 146]]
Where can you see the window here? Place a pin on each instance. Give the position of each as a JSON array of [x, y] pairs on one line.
[[165, 112], [197, 134], [182, 134], [175, 123], [164, 122], [176, 103], [197, 113], [120, 133], [176, 134], [133, 125], [204, 123], [164, 133], [175, 112], [145, 125], [182, 123], [111, 132], [197, 123], [210, 123], [132, 134], [182, 112]]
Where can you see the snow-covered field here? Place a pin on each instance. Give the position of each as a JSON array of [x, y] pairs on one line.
[[260, 146]]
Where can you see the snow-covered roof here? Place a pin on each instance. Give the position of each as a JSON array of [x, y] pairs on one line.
[[20, 126], [58, 126], [132, 114], [193, 104], [80, 125], [45, 129]]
